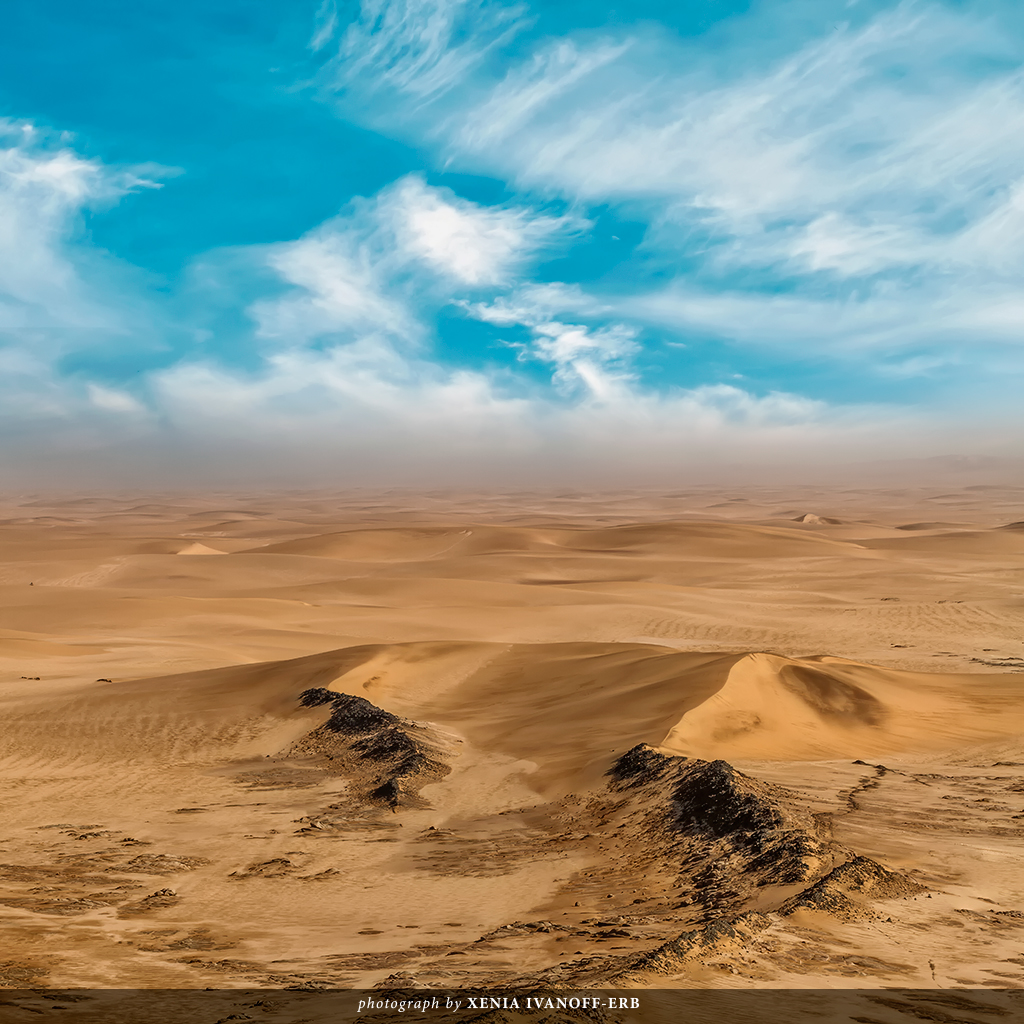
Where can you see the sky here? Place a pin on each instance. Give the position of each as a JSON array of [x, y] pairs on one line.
[[450, 242]]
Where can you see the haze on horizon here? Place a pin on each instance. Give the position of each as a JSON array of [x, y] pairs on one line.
[[460, 242]]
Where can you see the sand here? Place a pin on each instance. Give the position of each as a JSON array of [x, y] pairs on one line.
[[701, 740]]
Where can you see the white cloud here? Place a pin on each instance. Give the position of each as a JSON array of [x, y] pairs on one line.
[[595, 358], [59, 296], [835, 242], [325, 25], [342, 384], [852, 330], [720, 403], [476, 245], [41, 194], [370, 268], [341, 286], [113, 400], [528, 90], [875, 170], [417, 48], [534, 303], [372, 414], [833, 123], [48, 299]]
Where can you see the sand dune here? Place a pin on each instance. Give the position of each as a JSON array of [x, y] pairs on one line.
[[962, 542], [200, 549], [570, 708], [681, 740], [777, 708], [675, 539]]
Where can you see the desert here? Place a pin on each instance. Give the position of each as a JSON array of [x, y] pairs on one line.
[[512, 511], [630, 741]]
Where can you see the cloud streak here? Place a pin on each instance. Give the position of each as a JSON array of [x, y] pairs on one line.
[[419, 49], [867, 174]]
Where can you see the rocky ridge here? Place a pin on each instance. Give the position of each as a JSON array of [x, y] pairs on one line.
[[735, 834], [387, 759]]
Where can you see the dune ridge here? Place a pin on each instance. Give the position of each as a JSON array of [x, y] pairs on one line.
[[515, 699]]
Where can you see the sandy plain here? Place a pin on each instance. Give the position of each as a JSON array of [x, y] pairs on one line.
[[710, 739]]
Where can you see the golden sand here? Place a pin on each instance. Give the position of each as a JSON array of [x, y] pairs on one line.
[[857, 658]]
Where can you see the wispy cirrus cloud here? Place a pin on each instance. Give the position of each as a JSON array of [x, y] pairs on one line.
[[592, 359], [417, 49], [864, 184]]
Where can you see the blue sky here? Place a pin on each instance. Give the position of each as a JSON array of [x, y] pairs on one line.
[[451, 240]]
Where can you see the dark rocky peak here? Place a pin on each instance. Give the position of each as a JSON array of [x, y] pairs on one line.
[[714, 798], [640, 764], [386, 759], [349, 715], [710, 798]]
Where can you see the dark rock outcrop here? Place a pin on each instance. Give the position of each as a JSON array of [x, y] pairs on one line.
[[638, 765], [721, 937], [837, 893], [757, 827], [387, 759], [351, 716]]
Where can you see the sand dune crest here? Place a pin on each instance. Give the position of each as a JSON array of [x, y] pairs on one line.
[[774, 707], [200, 549], [568, 707]]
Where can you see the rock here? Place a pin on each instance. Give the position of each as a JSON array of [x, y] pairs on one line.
[[163, 864], [862, 876], [777, 841], [351, 715], [639, 764], [722, 936], [387, 759]]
